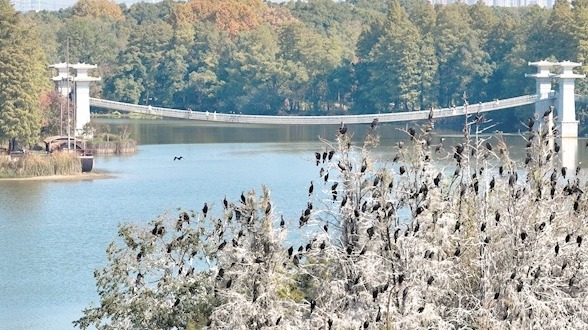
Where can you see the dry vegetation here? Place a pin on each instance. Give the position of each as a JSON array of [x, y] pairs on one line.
[[442, 237], [33, 165]]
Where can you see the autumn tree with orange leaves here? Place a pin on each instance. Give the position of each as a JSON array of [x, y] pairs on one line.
[[231, 16], [98, 9]]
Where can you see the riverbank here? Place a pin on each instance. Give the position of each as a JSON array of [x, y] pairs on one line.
[[64, 177]]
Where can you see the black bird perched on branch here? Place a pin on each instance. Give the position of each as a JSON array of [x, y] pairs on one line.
[[530, 123], [488, 146], [205, 209], [437, 179], [412, 132], [548, 111], [342, 129]]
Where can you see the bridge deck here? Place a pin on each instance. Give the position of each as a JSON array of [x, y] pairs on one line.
[[309, 120]]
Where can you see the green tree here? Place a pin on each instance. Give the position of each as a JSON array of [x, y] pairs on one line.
[[559, 31], [312, 57], [135, 76], [394, 64], [461, 59], [579, 34], [207, 60], [149, 13], [23, 77], [256, 76], [170, 79]]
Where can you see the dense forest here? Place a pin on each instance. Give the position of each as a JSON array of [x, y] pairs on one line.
[[300, 57]]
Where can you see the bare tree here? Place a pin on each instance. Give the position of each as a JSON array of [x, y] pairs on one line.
[[437, 236]]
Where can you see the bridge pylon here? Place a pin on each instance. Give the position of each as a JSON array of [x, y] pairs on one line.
[[565, 104], [80, 83]]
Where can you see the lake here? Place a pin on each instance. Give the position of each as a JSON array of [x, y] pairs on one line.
[[54, 234]]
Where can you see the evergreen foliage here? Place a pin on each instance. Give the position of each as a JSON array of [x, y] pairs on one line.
[[22, 78]]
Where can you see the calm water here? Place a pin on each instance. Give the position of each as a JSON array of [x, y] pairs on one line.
[[54, 234]]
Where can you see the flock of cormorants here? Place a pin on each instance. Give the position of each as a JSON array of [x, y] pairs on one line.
[[382, 218]]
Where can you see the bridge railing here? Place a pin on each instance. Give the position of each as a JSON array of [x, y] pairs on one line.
[[349, 119]]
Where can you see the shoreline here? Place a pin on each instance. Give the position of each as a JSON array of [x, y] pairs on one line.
[[72, 177]]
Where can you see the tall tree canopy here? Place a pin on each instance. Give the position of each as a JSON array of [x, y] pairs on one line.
[[22, 77]]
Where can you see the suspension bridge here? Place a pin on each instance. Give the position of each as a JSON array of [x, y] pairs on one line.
[[562, 101]]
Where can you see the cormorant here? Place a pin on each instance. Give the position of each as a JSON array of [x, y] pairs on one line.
[[457, 252], [342, 129], [268, 208], [330, 155], [412, 132], [548, 111], [205, 209]]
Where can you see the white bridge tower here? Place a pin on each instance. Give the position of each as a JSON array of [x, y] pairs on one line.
[[80, 83], [565, 104]]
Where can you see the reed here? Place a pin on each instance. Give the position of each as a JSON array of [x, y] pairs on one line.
[[65, 163], [32, 165]]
